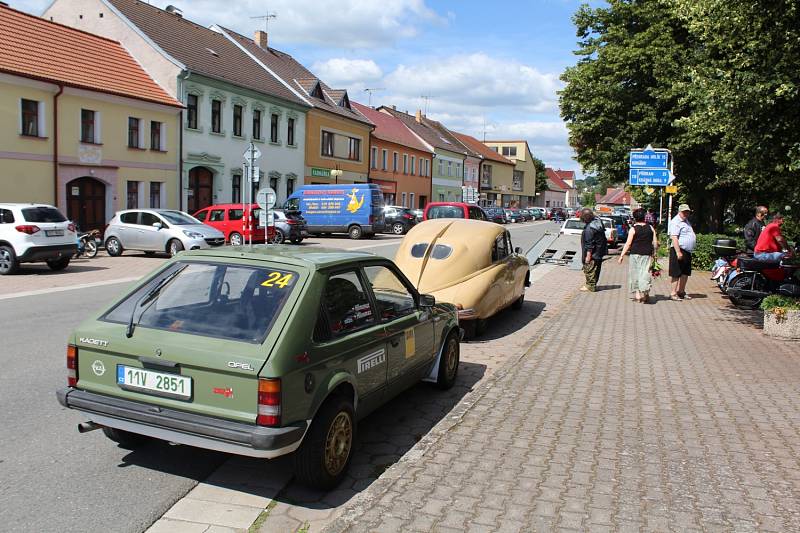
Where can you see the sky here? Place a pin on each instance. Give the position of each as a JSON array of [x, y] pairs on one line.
[[488, 69]]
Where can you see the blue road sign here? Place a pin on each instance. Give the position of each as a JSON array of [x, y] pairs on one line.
[[641, 176], [648, 159]]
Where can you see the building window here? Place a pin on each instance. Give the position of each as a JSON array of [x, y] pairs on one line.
[[517, 180], [134, 129], [290, 131], [373, 157], [403, 196], [427, 167], [273, 128], [289, 187], [441, 167], [87, 126], [458, 169], [413, 161], [449, 168], [411, 200], [236, 189], [405, 164], [237, 120], [155, 136], [441, 197], [384, 159], [191, 111], [509, 151], [327, 143], [354, 149], [155, 195], [394, 162], [216, 116], [273, 184], [30, 118], [257, 124], [133, 195]]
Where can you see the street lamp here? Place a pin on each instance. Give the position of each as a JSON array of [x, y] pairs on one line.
[[336, 172]]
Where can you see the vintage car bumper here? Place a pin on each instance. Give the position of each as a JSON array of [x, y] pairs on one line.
[[184, 428]]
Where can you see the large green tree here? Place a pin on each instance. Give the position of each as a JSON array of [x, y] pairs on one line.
[[541, 175]]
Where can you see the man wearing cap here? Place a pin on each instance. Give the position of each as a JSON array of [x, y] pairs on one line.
[[680, 253]]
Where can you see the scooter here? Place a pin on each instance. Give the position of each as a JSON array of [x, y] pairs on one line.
[[757, 279], [87, 244], [725, 266]]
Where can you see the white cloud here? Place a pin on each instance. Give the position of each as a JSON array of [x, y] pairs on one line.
[[352, 73]]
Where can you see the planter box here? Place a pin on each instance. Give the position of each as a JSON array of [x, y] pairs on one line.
[[785, 327]]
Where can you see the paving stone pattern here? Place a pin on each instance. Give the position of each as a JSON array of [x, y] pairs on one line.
[[672, 416]]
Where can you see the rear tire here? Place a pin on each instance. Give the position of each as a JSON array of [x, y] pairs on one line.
[[322, 459], [746, 280], [398, 228], [8, 261], [355, 232], [174, 246], [448, 365], [58, 264], [125, 439], [114, 247], [517, 305], [91, 248], [235, 239]]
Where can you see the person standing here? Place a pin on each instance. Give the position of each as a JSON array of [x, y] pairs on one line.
[[752, 229], [642, 244], [650, 217], [594, 247], [683, 240], [772, 245]]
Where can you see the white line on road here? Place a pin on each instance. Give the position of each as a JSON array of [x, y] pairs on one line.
[[69, 288], [366, 246]]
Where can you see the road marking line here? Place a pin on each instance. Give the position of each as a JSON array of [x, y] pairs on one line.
[[69, 288], [366, 246]]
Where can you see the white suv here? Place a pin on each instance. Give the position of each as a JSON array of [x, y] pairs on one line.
[[32, 233]]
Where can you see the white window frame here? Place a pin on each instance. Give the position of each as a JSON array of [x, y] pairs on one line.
[[127, 125], [411, 201], [40, 120], [405, 163], [403, 196], [413, 161], [374, 157]]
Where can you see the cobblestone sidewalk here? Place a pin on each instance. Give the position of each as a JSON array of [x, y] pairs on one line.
[[622, 417]]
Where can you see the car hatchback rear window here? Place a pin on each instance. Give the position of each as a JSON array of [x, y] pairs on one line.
[[43, 214], [216, 300], [445, 211]]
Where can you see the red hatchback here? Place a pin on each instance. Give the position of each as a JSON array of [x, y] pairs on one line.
[[453, 210], [228, 218]]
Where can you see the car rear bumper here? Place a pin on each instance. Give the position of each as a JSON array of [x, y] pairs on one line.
[[184, 428], [43, 253]]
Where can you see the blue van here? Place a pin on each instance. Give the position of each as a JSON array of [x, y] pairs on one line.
[[352, 208]]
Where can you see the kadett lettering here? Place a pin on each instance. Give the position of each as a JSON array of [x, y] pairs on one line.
[[371, 361]]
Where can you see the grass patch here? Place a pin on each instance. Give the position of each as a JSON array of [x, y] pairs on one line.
[[262, 517]]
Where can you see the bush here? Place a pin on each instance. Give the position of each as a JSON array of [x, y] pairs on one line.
[[703, 256], [774, 302]]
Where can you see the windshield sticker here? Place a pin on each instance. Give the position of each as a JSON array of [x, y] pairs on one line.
[[411, 347], [278, 279], [371, 361]]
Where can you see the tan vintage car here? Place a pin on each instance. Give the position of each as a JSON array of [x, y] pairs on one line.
[[469, 263]]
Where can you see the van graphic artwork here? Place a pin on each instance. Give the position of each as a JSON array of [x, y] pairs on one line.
[[355, 209], [354, 204]]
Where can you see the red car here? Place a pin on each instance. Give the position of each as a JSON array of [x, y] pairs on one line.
[[453, 210], [228, 219]]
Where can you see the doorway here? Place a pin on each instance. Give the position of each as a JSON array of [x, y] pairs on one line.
[[86, 203], [200, 185]]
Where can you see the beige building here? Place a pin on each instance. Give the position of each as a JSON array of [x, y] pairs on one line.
[[524, 175]]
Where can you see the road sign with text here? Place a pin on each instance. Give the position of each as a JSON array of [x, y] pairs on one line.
[[641, 176]]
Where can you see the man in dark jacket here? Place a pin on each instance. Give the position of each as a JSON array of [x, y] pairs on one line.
[[594, 247], [753, 228]]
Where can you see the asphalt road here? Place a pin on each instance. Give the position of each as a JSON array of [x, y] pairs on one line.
[[54, 479]]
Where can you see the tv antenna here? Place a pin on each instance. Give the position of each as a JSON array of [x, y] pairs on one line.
[[266, 18], [371, 90], [425, 97]]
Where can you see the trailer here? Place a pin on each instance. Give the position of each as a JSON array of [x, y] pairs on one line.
[[558, 249]]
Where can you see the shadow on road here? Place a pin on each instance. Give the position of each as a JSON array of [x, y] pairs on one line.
[[183, 461], [36, 269], [509, 321]]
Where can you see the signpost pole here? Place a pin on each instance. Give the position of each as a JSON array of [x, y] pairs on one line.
[[661, 205]]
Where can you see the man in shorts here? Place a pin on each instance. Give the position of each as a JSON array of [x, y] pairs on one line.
[[683, 243]]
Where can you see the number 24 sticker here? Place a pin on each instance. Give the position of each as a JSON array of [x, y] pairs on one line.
[[277, 279]]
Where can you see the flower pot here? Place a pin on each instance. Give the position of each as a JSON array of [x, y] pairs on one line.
[[782, 323]]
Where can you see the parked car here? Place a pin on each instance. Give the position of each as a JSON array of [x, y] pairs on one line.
[[159, 230], [229, 219], [399, 219], [572, 226], [419, 213], [288, 227], [469, 263], [558, 213], [537, 212], [352, 208], [611, 232], [31, 233], [496, 214], [527, 214], [515, 215], [261, 353], [621, 225], [436, 210]]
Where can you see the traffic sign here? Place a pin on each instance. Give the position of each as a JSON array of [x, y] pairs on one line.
[[649, 158], [266, 198], [671, 189], [251, 153], [640, 176]]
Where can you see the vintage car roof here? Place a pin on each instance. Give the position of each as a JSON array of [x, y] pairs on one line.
[[471, 242], [312, 258]]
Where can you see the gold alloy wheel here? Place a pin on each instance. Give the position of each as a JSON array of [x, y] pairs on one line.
[[338, 443], [452, 358]]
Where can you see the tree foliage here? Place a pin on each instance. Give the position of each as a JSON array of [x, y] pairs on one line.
[[541, 176]]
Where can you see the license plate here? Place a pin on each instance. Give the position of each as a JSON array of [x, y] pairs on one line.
[[157, 383], [54, 232]]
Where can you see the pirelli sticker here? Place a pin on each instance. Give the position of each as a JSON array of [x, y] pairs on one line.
[[411, 344], [371, 361]]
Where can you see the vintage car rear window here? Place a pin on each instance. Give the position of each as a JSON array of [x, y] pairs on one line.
[[418, 250], [445, 211], [216, 300]]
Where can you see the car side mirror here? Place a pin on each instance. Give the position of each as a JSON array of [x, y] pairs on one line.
[[427, 300], [158, 225]]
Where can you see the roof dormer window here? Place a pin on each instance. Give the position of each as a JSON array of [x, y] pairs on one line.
[[345, 101], [317, 92]]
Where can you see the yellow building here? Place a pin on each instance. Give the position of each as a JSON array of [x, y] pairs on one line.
[[92, 132], [524, 177]]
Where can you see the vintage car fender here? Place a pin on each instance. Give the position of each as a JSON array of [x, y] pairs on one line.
[[484, 292]]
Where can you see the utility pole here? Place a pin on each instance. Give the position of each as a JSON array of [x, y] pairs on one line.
[[371, 90], [265, 18]]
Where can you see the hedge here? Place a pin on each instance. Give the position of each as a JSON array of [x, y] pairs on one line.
[[703, 256]]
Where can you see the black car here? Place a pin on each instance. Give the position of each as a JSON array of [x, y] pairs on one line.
[[289, 226], [399, 219], [496, 214]]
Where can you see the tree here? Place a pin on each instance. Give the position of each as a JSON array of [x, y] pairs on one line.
[[541, 175]]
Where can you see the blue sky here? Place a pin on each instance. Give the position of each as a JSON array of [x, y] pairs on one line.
[[488, 67]]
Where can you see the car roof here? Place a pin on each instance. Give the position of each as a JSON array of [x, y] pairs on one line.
[[312, 258], [223, 206], [7, 205]]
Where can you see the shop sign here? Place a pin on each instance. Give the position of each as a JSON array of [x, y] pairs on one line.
[[321, 172]]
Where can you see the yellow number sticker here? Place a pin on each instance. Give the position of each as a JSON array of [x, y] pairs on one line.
[[278, 279]]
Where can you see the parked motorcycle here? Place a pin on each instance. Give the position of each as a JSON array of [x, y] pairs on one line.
[[725, 266], [87, 244], [756, 279]]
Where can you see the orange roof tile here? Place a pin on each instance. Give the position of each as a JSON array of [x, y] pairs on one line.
[[36, 48]]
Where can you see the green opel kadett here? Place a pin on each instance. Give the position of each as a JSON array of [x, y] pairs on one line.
[[259, 352]]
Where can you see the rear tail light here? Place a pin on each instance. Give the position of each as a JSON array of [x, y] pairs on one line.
[[407, 216], [292, 222], [269, 402], [72, 365], [71, 227], [30, 229]]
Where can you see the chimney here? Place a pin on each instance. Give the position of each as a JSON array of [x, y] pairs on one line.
[[419, 116], [261, 39], [394, 108], [174, 10]]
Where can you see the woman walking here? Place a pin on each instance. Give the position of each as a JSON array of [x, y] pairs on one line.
[[642, 243]]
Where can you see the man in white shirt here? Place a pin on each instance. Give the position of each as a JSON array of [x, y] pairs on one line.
[[680, 253]]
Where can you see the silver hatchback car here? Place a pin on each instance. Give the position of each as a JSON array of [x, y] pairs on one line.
[[159, 230]]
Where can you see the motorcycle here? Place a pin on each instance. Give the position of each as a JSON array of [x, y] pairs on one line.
[[756, 279], [725, 266], [87, 244]]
